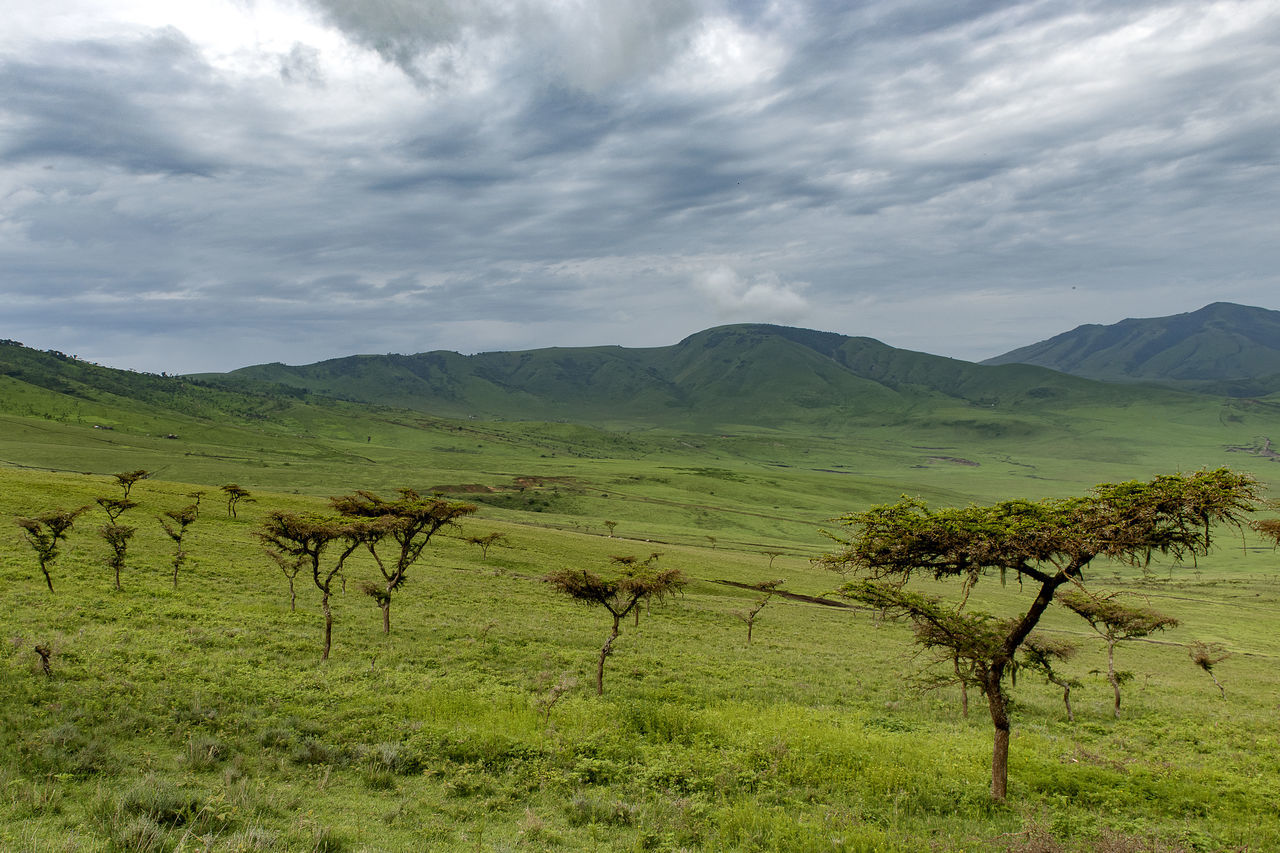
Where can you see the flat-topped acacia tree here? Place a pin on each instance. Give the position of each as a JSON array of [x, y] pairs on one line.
[[303, 540], [1046, 544], [1040, 652], [410, 521], [235, 494], [44, 532], [127, 479], [620, 595], [1113, 621], [176, 529], [115, 534]]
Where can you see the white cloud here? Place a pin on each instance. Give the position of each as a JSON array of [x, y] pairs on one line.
[[762, 298]]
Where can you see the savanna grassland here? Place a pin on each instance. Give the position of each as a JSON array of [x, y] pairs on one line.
[[201, 718]]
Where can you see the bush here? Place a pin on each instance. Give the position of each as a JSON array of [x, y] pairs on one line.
[[204, 752]]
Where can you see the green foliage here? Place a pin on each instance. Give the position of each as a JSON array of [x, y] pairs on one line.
[[44, 532], [1049, 542]]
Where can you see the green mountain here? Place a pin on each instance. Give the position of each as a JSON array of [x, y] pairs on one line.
[[743, 374], [1221, 348]]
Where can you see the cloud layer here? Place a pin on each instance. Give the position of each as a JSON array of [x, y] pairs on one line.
[[202, 188]]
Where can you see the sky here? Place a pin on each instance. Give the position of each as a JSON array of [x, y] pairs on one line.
[[204, 185]]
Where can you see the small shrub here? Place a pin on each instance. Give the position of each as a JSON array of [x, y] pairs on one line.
[[469, 780], [379, 779], [139, 834], [584, 810], [204, 752], [276, 737], [311, 751]]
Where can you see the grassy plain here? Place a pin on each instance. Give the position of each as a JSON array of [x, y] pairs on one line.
[[201, 719]]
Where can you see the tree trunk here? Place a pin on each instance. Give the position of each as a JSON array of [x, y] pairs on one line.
[[1000, 764], [750, 625], [999, 706], [45, 652], [1066, 699], [47, 578], [605, 651], [293, 597], [328, 626], [386, 616]]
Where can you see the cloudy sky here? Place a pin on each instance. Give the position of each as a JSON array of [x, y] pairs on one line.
[[202, 185]]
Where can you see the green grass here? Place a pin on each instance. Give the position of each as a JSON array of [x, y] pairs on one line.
[[201, 718]]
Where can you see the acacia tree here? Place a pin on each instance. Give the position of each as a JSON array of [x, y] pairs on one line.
[[1269, 528], [968, 641], [619, 596], [301, 541], [290, 565], [181, 519], [1113, 620], [1207, 656], [44, 532], [1048, 543], [235, 494], [633, 564], [127, 479], [117, 535], [487, 541], [1040, 652], [410, 521], [749, 616]]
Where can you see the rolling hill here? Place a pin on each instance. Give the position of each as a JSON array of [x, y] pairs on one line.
[[742, 374], [1222, 348]]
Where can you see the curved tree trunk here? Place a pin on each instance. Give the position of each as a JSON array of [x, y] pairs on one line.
[[47, 578], [605, 651]]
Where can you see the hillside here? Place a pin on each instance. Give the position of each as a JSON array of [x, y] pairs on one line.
[[731, 375], [1221, 348]]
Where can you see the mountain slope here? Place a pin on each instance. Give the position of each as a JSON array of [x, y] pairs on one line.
[[742, 374], [1223, 347]]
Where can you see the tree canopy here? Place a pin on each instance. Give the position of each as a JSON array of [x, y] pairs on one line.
[[410, 520], [639, 581], [1048, 542]]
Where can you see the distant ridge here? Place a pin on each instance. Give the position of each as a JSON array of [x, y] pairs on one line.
[[740, 374], [1223, 348]]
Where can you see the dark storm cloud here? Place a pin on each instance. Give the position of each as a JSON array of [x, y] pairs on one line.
[[404, 175], [89, 102]]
